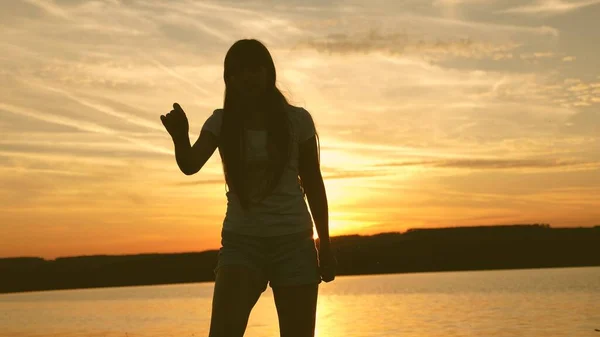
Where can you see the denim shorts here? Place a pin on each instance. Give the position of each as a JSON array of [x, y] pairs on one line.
[[284, 260]]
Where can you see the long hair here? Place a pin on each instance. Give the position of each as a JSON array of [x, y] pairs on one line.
[[244, 54]]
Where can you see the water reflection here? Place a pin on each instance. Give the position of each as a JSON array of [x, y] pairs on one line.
[[549, 302]]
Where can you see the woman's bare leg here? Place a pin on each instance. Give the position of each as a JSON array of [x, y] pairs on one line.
[[296, 309], [237, 289]]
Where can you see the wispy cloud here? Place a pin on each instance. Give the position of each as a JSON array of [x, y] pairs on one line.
[[200, 182], [460, 2], [50, 7], [537, 56], [476, 27], [497, 164], [173, 73], [404, 44], [81, 125], [45, 171], [355, 174], [428, 114], [551, 7], [56, 119], [103, 109]]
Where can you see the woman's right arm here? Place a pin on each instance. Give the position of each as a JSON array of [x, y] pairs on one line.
[[191, 159]]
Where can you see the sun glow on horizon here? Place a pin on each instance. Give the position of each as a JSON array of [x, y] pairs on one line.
[[452, 114]]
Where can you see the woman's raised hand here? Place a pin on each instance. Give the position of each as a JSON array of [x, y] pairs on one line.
[[176, 122]]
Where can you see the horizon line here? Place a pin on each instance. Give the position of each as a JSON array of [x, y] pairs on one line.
[[407, 231]]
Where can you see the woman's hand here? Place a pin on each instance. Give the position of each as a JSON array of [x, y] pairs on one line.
[[327, 262], [176, 122]]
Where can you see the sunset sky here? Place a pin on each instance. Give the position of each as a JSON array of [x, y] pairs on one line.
[[431, 113]]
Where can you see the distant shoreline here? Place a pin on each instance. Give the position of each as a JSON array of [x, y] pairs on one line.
[[414, 251], [349, 275]]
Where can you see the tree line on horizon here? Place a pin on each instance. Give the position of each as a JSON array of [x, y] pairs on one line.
[[416, 250]]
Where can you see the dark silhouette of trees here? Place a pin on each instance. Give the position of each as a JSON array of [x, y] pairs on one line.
[[416, 250]]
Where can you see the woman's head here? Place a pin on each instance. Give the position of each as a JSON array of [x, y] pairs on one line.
[[250, 77], [249, 71]]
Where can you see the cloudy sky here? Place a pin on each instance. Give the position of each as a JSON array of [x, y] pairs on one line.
[[431, 113]]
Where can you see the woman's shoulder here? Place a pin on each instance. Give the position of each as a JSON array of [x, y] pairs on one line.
[[292, 110], [217, 115], [218, 112], [214, 121], [302, 123], [297, 109], [298, 114]]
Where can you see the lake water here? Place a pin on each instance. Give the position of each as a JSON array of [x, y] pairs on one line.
[[532, 302]]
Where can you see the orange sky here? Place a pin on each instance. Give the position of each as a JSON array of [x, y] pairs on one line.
[[431, 113]]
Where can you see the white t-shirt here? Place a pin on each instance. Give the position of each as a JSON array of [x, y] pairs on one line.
[[284, 211]]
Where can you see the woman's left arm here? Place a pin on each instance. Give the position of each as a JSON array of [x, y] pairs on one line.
[[314, 187]]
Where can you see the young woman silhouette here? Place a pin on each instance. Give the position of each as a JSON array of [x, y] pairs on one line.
[[270, 156]]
